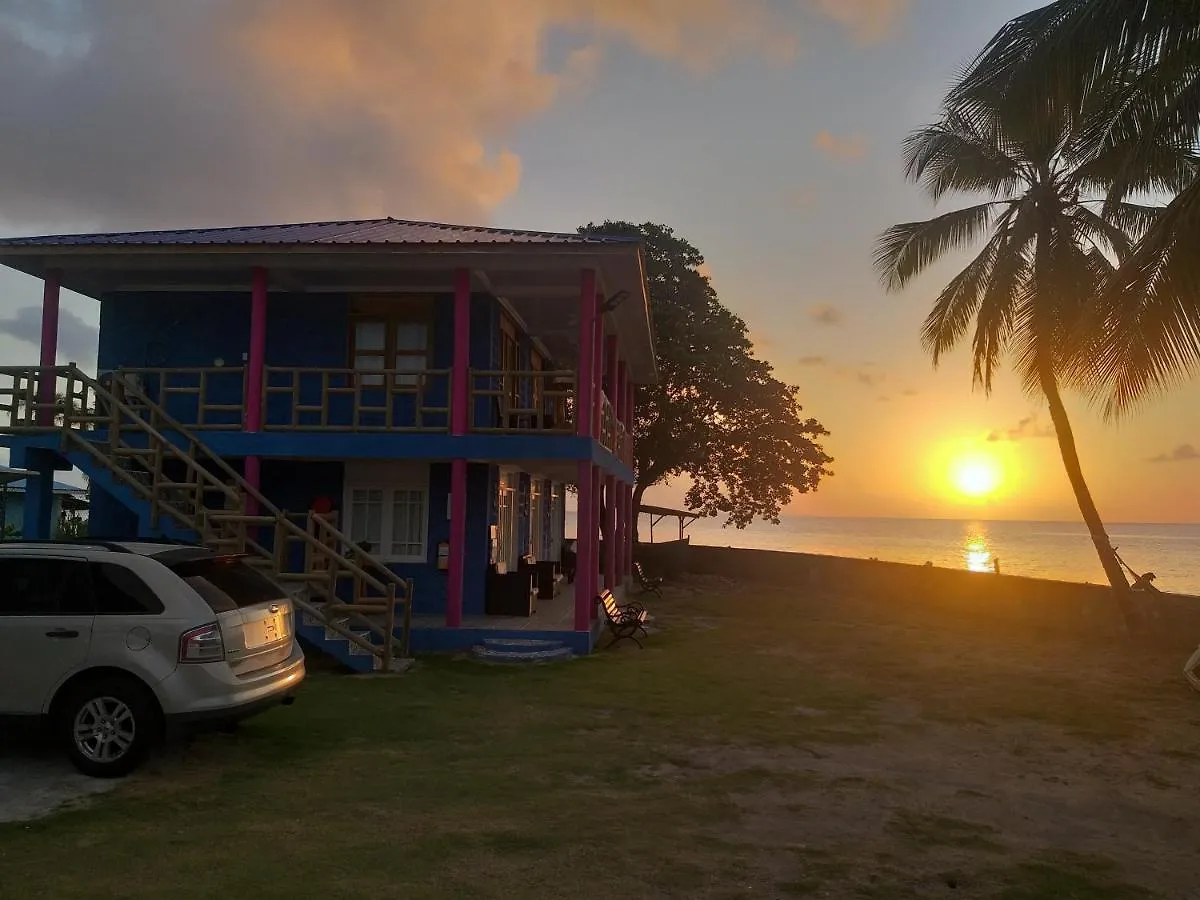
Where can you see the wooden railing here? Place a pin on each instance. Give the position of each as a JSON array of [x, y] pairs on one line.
[[314, 399], [503, 402], [206, 398], [182, 479]]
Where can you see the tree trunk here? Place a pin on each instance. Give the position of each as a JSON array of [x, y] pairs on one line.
[[638, 490], [1087, 506]]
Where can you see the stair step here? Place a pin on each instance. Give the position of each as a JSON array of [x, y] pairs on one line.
[[521, 645], [487, 654]]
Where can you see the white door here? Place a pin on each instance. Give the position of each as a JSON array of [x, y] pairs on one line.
[[46, 617]]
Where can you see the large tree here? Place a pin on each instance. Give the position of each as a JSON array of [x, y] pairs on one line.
[[1050, 241], [1129, 70], [718, 414]]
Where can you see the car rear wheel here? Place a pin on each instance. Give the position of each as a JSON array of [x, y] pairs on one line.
[[108, 726]]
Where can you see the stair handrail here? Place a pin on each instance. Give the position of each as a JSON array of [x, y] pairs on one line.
[[265, 504], [116, 406]]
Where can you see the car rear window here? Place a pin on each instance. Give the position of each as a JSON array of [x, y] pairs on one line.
[[119, 591], [227, 584]]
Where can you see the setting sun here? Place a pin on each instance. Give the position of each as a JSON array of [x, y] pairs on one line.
[[976, 477]]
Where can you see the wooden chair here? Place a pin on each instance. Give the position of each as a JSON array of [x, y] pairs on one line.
[[625, 622]]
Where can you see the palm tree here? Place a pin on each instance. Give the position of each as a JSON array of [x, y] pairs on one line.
[[1050, 242], [1143, 57]]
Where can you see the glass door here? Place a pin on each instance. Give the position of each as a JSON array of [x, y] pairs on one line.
[[508, 551]]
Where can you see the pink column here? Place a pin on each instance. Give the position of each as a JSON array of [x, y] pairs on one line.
[[460, 412], [584, 386], [630, 424], [594, 531], [49, 348], [458, 543], [585, 539], [255, 361], [610, 526], [597, 369], [460, 372]]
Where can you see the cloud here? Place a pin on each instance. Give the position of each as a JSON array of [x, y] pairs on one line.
[[1026, 428], [909, 392], [1182, 453], [800, 197], [134, 114], [812, 361], [76, 338], [870, 19], [824, 314], [847, 148], [867, 378]]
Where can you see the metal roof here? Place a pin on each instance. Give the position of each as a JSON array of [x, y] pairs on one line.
[[362, 231]]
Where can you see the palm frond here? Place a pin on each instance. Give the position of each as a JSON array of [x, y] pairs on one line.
[[1152, 335], [956, 155], [906, 250], [995, 318], [1092, 228], [958, 303]]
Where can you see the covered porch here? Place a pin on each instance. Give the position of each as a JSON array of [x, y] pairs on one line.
[[554, 619]]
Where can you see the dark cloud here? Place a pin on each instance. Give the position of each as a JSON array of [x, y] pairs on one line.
[[159, 113], [813, 361], [824, 314], [909, 392], [76, 338], [1025, 429], [1182, 453]]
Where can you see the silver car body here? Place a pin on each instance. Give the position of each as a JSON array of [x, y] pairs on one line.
[[261, 665]]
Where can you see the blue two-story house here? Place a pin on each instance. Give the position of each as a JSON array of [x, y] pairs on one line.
[[369, 409]]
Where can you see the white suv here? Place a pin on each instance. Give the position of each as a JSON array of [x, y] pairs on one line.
[[110, 643]]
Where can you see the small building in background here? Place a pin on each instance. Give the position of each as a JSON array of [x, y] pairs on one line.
[[67, 497]]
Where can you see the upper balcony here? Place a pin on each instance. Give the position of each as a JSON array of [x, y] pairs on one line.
[[313, 400]]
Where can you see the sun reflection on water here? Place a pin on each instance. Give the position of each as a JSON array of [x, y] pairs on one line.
[[975, 549]]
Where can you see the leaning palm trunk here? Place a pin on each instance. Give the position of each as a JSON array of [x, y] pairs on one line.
[[1083, 496]]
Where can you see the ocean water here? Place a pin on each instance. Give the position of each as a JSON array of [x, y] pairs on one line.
[[1059, 550]]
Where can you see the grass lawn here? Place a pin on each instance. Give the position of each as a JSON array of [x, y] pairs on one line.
[[761, 746]]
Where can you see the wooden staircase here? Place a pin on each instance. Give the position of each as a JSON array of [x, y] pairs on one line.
[[347, 601]]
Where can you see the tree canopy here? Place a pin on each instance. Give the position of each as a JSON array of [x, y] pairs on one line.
[[1126, 70], [718, 413]]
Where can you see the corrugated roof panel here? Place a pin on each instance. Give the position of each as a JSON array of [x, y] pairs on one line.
[[361, 231]]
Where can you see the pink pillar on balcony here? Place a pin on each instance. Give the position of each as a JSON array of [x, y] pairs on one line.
[[460, 400], [585, 540], [48, 357], [460, 372], [598, 371], [584, 390], [256, 355]]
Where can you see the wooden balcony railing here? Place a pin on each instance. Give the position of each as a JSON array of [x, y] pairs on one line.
[[207, 398], [304, 399], [312, 399], [515, 402]]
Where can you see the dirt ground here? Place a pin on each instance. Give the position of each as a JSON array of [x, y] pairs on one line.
[[35, 782]]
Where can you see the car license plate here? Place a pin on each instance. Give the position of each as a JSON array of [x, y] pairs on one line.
[[265, 631]]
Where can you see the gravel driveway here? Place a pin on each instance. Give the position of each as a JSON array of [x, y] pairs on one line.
[[36, 783]]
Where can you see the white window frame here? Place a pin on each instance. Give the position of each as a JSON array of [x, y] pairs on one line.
[[388, 477]]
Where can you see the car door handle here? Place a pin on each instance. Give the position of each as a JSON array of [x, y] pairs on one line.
[[62, 633]]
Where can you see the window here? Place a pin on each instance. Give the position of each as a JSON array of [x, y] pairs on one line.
[[385, 339], [44, 586], [388, 509], [227, 583], [121, 592]]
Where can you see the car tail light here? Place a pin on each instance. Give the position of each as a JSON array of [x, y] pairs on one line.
[[202, 645]]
